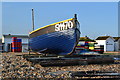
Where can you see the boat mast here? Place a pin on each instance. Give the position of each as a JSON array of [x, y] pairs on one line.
[[32, 19]]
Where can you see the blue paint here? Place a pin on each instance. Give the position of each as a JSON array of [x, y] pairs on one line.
[[15, 47], [17, 40], [61, 42]]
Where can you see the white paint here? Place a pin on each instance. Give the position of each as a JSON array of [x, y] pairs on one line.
[[24, 47], [8, 40], [102, 42], [64, 26], [117, 45], [0, 45], [108, 44], [81, 42]]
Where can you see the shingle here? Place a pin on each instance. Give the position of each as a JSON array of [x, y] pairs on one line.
[[102, 37], [85, 39], [25, 36], [116, 38]]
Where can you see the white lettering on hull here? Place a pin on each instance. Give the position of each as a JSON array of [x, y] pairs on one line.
[[64, 26]]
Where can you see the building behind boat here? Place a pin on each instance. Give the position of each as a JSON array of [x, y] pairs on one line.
[[6, 42], [100, 44], [110, 43]]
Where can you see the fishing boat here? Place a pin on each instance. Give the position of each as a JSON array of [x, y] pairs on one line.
[[58, 38]]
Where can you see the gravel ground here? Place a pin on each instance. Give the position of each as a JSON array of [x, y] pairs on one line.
[[17, 67]]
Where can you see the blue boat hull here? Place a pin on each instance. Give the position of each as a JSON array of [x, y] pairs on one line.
[[60, 42]]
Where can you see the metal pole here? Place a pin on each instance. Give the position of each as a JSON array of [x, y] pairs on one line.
[[75, 16], [29, 45], [33, 19]]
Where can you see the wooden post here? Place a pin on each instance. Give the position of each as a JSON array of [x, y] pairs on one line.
[[33, 19], [28, 45]]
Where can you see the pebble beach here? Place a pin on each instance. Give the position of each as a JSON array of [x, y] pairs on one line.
[[13, 66]]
